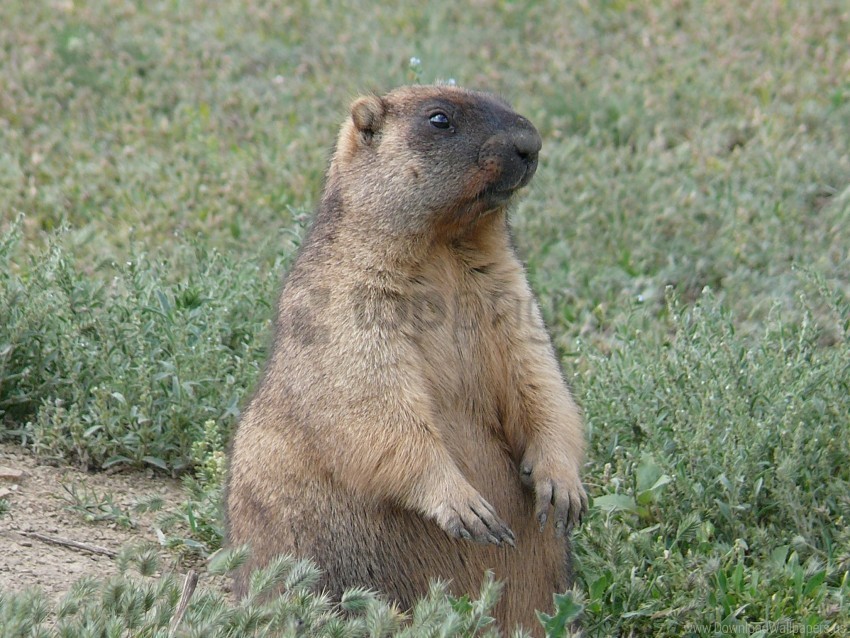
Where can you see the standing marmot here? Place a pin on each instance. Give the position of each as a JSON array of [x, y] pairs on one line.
[[412, 422]]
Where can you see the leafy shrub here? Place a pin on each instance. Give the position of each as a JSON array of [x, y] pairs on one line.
[[128, 370], [725, 473], [197, 525]]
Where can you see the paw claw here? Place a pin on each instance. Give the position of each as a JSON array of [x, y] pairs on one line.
[[475, 520], [542, 517]]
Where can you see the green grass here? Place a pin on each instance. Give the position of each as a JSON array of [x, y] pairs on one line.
[[687, 232], [136, 603]]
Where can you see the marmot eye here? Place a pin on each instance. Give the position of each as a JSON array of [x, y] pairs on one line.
[[440, 120]]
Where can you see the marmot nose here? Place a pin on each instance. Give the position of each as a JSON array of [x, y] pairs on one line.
[[527, 144]]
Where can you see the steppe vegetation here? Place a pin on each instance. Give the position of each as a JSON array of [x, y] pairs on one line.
[[687, 234]]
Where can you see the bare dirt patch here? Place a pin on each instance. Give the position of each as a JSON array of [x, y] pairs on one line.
[[37, 507]]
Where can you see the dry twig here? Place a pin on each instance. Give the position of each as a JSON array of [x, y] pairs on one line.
[[64, 542]]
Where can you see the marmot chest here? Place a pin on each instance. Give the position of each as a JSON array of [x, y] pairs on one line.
[[460, 330]]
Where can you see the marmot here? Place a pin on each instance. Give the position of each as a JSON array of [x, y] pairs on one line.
[[412, 422]]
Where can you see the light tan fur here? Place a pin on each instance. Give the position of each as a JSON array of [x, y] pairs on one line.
[[413, 403]]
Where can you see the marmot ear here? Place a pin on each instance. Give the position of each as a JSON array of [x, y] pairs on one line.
[[368, 113]]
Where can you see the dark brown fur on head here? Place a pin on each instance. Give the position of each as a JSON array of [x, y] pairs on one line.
[[439, 157]]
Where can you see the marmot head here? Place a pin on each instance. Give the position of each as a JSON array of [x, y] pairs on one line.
[[428, 156]]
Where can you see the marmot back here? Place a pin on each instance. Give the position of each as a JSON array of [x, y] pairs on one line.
[[412, 422]]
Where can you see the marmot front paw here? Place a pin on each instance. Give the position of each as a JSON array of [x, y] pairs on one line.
[[474, 519], [556, 484]]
